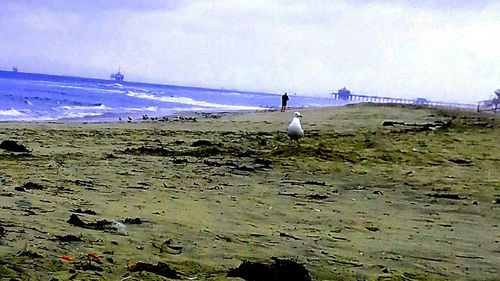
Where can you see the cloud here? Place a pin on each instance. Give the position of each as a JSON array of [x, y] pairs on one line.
[[442, 50], [443, 5], [98, 6]]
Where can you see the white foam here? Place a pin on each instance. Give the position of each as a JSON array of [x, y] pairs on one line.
[[27, 119], [45, 82], [38, 119], [246, 95], [74, 87], [190, 101], [118, 85], [78, 107], [148, 108], [11, 112], [109, 91], [91, 89], [81, 111], [16, 115], [79, 114]]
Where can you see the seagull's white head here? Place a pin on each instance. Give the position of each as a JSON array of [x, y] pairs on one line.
[[297, 114]]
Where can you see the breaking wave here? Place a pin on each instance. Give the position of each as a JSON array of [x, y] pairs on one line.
[[190, 101], [78, 107]]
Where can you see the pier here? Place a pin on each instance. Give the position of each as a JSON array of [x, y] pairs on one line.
[[346, 96]]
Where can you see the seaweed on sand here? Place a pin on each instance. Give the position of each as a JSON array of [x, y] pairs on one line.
[[281, 269], [160, 268], [13, 146]]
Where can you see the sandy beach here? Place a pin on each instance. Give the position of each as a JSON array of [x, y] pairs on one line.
[[371, 193]]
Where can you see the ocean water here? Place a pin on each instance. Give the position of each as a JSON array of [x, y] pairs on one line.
[[37, 97]]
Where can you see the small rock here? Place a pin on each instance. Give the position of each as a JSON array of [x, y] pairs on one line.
[[461, 161], [201, 143], [317, 196], [372, 228]]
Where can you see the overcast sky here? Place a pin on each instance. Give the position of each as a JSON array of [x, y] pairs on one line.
[[438, 49]]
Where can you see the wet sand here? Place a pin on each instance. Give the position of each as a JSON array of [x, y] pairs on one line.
[[357, 198]]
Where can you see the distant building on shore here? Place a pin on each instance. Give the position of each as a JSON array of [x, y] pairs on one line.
[[343, 94], [421, 101], [14, 69]]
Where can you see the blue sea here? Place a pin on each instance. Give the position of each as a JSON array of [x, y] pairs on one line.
[[42, 98]]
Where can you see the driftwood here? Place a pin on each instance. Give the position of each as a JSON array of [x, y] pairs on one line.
[[417, 127], [283, 234]]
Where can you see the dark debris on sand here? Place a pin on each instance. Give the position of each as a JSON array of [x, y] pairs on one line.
[[29, 254], [69, 238], [452, 196], [87, 211], [29, 186], [403, 127], [201, 143], [98, 225], [13, 146], [200, 151], [462, 161], [281, 269], [133, 221], [160, 268]]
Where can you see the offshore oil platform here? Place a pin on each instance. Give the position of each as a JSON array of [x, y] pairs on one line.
[[118, 77]]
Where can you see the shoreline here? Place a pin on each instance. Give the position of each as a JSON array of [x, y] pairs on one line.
[[198, 113], [173, 116]]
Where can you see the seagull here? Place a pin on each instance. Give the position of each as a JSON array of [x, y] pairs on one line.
[[295, 131]]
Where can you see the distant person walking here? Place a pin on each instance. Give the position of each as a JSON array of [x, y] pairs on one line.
[[284, 101]]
